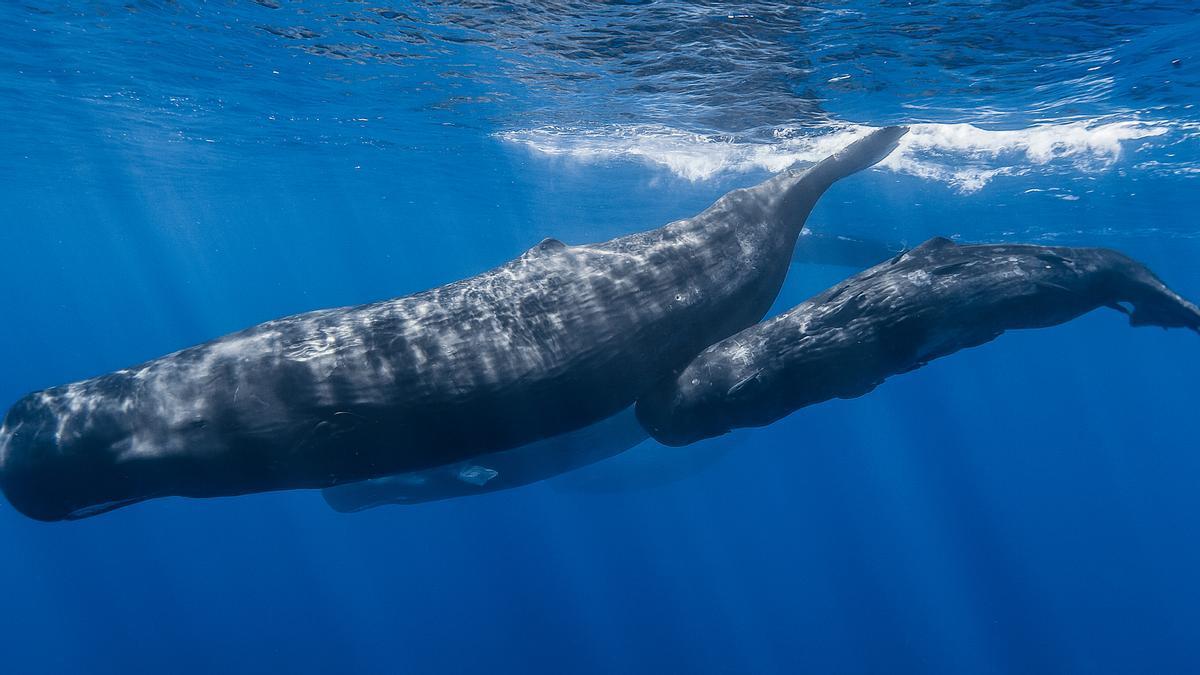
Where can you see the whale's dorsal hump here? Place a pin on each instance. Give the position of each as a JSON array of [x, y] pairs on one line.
[[928, 246], [547, 245], [935, 244], [931, 245]]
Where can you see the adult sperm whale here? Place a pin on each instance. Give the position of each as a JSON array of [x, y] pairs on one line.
[[559, 338], [593, 448], [893, 318]]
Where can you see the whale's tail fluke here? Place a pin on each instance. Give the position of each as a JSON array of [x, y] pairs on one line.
[[859, 155], [1134, 290], [1155, 304], [794, 193]]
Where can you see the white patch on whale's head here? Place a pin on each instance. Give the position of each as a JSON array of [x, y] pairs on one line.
[[5, 440]]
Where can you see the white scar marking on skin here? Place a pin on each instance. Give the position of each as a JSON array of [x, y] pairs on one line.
[[477, 475], [741, 353]]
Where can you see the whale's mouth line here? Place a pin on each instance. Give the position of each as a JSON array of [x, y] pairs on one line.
[[104, 507], [963, 156]]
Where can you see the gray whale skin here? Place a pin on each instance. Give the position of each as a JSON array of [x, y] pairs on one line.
[[557, 339], [642, 463], [926, 303], [893, 318]]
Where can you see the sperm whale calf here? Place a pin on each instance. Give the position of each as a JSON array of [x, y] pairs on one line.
[[893, 318]]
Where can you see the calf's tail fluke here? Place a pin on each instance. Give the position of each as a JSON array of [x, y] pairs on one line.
[[1131, 288], [1155, 304]]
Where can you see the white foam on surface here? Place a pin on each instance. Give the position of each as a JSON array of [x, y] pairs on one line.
[[964, 156]]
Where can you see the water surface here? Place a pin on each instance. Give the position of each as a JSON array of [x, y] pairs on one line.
[[177, 170]]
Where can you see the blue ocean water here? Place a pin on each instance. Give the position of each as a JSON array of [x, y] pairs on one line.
[[178, 170]]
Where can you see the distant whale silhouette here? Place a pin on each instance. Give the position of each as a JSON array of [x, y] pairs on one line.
[[895, 317], [558, 339]]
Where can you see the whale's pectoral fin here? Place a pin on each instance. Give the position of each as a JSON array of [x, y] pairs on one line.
[[1051, 286], [476, 474], [1120, 308], [741, 384]]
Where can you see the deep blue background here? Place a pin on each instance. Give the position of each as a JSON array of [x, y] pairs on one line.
[[1027, 506]]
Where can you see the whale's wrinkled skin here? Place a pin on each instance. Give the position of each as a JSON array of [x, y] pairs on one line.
[[565, 455], [559, 338], [893, 318], [495, 471]]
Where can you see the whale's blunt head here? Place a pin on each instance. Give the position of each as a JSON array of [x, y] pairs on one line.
[[49, 473], [687, 408]]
